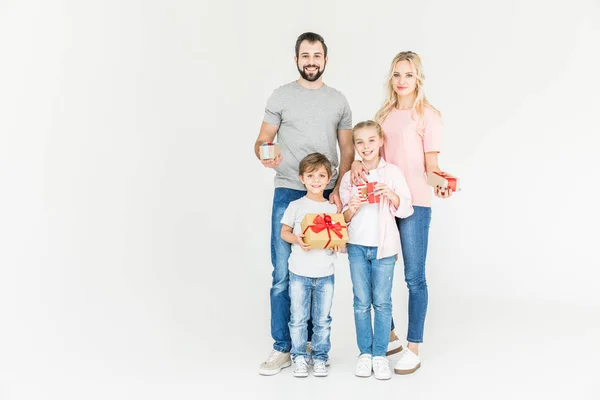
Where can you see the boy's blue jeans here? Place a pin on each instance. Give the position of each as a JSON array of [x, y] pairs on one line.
[[280, 253], [311, 296], [414, 238], [371, 284]]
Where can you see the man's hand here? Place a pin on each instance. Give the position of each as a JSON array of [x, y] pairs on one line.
[[334, 197], [272, 163], [358, 173]]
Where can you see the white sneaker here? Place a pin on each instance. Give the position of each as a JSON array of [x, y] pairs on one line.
[[364, 366], [395, 346], [320, 368], [408, 363], [300, 367], [275, 363], [309, 351], [381, 368]]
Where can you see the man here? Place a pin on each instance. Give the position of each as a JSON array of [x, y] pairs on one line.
[[307, 116]]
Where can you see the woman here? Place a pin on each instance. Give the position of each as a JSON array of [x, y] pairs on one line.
[[412, 129]]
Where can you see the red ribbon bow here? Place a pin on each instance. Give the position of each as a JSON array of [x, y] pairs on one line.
[[322, 222]]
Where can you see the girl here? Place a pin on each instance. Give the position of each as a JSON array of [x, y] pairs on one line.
[[412, 130], [373, 246]]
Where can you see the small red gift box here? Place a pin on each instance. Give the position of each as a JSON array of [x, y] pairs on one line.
[[366, 193], [444, 180], [269, 151], [323, 231]]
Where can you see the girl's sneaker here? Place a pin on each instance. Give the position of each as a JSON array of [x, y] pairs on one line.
[[364, 366], [300, 367], [381, 368], [408, 363], [320, 369]]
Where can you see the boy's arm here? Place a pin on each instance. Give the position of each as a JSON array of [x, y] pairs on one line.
[[291, 238]]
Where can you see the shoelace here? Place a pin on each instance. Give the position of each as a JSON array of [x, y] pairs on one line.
[[301, 363], [320, 366], [405, 355], [273, 355], [364, 362], [381, 363]]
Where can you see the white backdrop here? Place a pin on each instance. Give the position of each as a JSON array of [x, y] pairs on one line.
[[134, 217]]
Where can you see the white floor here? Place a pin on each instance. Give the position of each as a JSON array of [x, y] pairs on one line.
[[182, 335]]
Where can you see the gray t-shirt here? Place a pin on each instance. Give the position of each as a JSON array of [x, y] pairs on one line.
[[315, 263], [308, 122]]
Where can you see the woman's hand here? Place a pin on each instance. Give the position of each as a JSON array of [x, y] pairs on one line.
[[442, 193], [358, 173]]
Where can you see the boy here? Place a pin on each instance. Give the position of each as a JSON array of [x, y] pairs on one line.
[[311, 271]]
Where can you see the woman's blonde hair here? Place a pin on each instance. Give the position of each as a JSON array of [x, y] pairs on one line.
[[420, 103], [367, 124]]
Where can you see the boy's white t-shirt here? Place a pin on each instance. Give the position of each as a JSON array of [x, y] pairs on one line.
[[363, 228], [315, 263]]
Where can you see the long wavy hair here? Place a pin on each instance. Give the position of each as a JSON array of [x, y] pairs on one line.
[[420, 103]]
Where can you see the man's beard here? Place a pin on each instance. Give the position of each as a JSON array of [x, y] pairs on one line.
[[313, 78]]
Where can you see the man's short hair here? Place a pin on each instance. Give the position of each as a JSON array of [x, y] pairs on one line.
[[311, 37]]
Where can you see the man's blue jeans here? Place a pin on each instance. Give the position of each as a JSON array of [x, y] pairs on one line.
[[280, 253]]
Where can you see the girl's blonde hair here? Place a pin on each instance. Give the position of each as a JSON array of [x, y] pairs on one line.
[[420, 103], [367, 124]]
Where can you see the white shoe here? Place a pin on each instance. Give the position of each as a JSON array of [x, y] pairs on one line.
[[320, 368], [395, 346], [300, 367], [309, 351], [364, 366], [408, 363], [275, 363], [381, 368]]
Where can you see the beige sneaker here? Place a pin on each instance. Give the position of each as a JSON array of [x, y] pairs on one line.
[[275, 363]]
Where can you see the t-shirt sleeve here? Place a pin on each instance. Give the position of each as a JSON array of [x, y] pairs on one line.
[[289, 216], [346, 121], [432, 139], [273, 110]]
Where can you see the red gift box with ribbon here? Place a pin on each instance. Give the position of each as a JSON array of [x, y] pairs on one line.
[[366, 193], [269, 151], [324, 231], [444, 180]]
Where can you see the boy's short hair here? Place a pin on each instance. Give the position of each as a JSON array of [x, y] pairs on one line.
[[312, 162]]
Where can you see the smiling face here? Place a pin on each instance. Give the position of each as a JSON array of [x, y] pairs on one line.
[[311, 60], [404, 79], [367, 142], [315, 181]]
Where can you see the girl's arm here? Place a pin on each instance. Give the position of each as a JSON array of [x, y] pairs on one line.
[[353, 207], [404, 207]]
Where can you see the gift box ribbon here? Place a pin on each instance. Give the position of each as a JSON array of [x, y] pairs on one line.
[[322, 222], [452, 180]]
